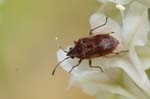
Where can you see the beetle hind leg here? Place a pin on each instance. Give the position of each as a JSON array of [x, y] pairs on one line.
[[111, 33], [99, 67], [117, 53]]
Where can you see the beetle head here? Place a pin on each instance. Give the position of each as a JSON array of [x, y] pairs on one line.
[[72, 52]]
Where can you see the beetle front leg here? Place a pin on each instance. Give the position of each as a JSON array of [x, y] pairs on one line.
[[75, 65], [90, 64]]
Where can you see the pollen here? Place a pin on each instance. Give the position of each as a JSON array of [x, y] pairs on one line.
[[120, 7]]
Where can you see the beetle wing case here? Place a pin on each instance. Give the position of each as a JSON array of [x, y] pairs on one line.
[[95, 46]]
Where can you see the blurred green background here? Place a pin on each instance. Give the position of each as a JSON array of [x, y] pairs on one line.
[[28, 29]]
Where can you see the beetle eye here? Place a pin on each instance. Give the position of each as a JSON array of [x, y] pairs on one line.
[[72, 57], [70, 48]]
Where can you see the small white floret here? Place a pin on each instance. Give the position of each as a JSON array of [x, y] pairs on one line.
[[120, 7]]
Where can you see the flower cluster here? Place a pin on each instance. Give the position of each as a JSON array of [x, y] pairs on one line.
[[125, 76]]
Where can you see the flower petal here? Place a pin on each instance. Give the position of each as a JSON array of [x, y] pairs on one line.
[[135, 30], [145, 2], [105, 9], [144, 55], [94, 83], [135, 25], [116, 1]]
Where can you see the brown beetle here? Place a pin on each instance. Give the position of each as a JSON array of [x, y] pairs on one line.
[[92, 47]]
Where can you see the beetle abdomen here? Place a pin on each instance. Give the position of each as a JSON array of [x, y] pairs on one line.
[[95, 46]]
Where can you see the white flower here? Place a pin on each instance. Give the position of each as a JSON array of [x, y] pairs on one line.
[[125, 75], [125, 2], [116, 1]]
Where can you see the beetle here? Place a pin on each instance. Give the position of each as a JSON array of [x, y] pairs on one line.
[[91, 47]]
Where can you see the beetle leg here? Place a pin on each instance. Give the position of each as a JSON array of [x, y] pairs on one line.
[[115, 54], [91, 30], [90, 64], [111, 33], [75, 65]]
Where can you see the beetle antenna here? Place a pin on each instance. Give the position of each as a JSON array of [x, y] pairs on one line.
[[53, 72], [63, 49]]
